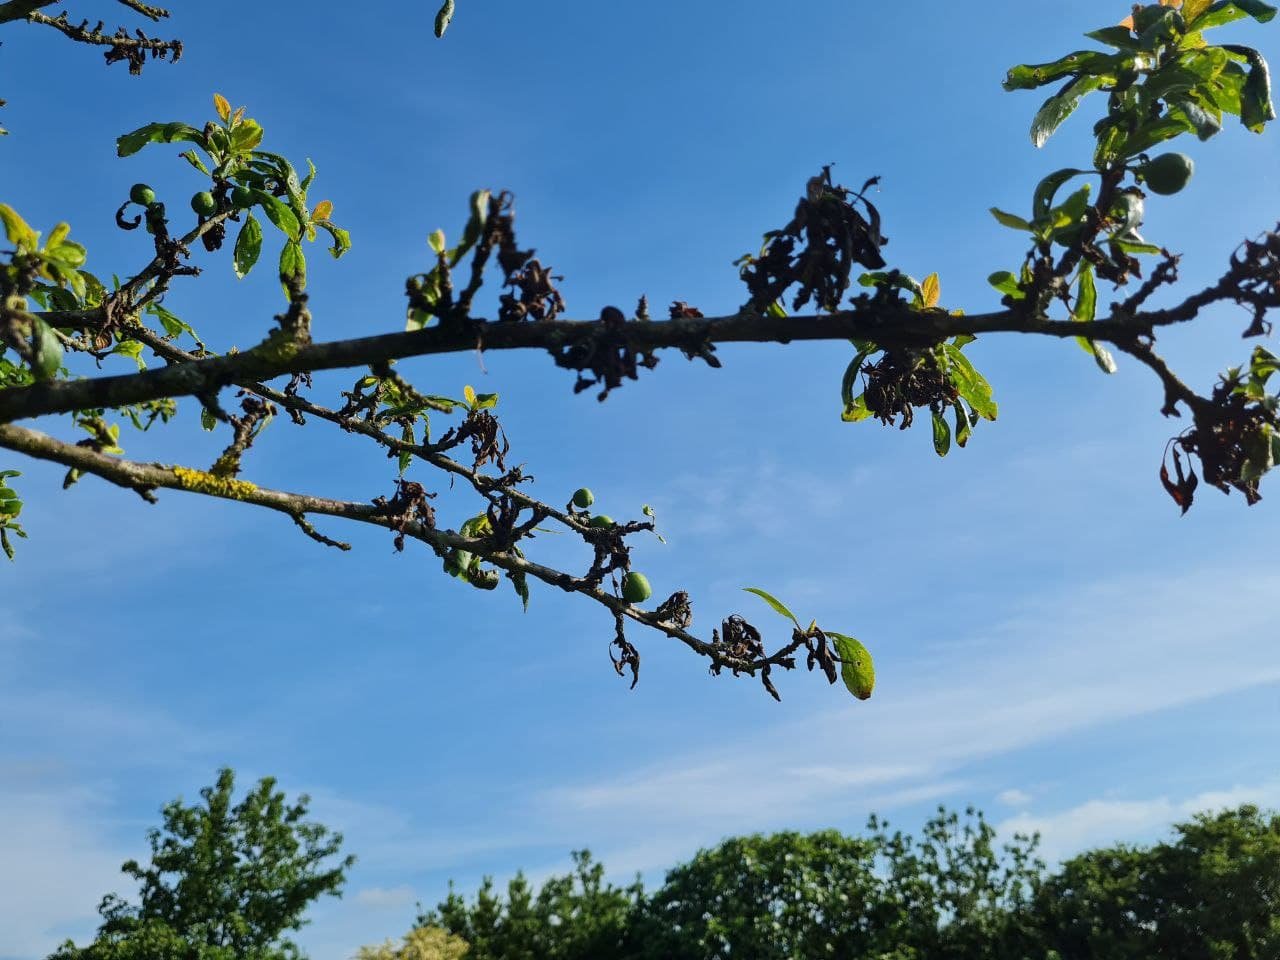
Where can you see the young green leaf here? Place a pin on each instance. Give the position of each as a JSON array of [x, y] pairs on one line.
[[1010, 220], [930, 290], [131, 143], [775, 603], [293, 264], [941, 435]]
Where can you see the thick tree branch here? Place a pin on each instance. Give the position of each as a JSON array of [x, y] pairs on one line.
[[21, 9], [894, 327]]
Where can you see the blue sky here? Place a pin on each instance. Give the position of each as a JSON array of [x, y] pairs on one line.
[[1054, 643]]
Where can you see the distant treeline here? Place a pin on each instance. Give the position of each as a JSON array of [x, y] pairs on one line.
[[1212, 892]]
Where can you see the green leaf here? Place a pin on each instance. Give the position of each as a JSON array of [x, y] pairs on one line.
[[131, 143], [857, 669], [405, 457], [941, 435], [856, 411], [1086, 295], [1047, 188], [436, 242], [131, 349], [474, 229], [892, 279], [1262, 12], [1007, 283], [1010, 220], [207, 420], [1101, 355], [17, 230], [1256, 107], [1106, 362], [851, 376], [292, 263], [777, 605], [248, 246], [246, 135], [521, 584], [443, 16], [1205, 122], [1027, 76], [964, 428], [341, 238], [969, 383], [1061, 105], [1119, 37], [195, 161], [279, 213]]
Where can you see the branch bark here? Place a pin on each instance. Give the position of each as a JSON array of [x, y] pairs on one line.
[[20, 9], [896, 327]]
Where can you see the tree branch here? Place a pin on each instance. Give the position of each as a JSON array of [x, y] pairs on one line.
[[20, 9], [147, 476], [893, 327]]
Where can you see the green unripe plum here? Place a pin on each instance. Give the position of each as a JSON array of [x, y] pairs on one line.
[[204, 204], [583, 498], [241, 198], [1167, 173], [142, 194], [603, 520], [635, 588]]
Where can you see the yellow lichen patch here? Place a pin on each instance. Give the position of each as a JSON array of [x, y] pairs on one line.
[[198, 481]]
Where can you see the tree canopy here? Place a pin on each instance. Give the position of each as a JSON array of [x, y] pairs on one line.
[[948, 894], [824, 274], [224, 882]]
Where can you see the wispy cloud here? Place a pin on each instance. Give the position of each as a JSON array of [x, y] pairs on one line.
[[1102, 822], [1056, 664], [1013, 797], [384, 898], [57, 867]]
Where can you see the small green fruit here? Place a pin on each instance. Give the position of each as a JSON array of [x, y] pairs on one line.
[[204, 204], [142, 194], [241, 198], [635, 588], [604, 520], [1167, 173], [583, 498]]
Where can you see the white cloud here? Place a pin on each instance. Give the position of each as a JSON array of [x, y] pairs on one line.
[[1104, 822], [1014, 797], [57, 867], [383, 898], [1055, 665]]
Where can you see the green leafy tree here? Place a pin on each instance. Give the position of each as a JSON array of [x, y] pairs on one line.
[[224, 883], [420, 943], [1158, 77], [572, 916], [949, 895], [1213, 893]]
